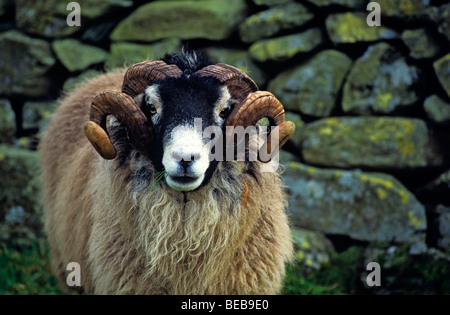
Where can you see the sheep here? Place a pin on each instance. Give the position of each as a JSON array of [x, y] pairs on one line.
[[140, 207]]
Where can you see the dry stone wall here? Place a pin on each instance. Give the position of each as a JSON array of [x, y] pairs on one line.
[[370, 157]]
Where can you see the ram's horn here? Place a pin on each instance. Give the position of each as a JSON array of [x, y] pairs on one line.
[[252, 104], [128, 112], [258, 105], [125, 109], [142, 74], [239, 84]]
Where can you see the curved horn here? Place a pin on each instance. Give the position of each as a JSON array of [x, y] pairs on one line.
[[253, 104], [239, 84], [127, 111], [140, 75], [258, 105], [123, 106]]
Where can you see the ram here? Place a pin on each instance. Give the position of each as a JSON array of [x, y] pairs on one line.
[[142, 207]]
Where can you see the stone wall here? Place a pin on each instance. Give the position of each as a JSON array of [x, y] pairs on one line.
[[370, 158]]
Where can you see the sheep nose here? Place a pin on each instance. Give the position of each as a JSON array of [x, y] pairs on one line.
[[186, 159]]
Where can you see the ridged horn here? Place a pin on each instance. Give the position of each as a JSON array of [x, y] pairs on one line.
[[239, 84], [124, 108], [127, 111], [258, 105], [252, 104], [140, 75]]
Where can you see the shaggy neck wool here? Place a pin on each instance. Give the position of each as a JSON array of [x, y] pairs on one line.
[[185, 235]]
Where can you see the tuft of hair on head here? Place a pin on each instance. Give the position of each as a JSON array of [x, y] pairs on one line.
[[189, 61]]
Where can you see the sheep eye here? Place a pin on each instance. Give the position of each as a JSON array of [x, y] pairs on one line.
[[151, 108], [225, 112]]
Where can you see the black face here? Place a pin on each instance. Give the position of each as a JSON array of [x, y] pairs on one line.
[[186, 98], [180, 110]]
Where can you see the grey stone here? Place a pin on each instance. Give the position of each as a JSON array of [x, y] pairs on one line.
[[24, 61], [207, 19], [441, 16], [354, 4], [444, 227], [269, 22], [421, 43], [7, 121], [271, 2], [363, 206], [37, 114], [238, 58], [126, 54], [76, 56], [312, 88], [405, 9], [380, 81], [375, 142], [285, 47], [437, 109], [49, 18], [20, 203], [442, 69], [312, 248], [297, 137], [352, 28]]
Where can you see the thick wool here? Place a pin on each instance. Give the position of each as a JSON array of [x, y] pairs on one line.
[[130, 236]]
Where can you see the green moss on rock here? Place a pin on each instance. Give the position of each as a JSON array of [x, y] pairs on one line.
[[208, 19], [20, 204], [364, 206], [421, 43], [76, 56], [312, 88], [49, 18], [7, 121], [269, 22], [297, 137], [271, 2], [32, 56], [37, 114], [352, 27], [127, 54], [437, 109], [405, 9], [375, 142], [285, 47], [380, 81], [238, 58], [354, 4], [442, 69]]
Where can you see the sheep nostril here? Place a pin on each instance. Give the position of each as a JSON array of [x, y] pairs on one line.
[[195, 156], [177, 157], [187, 157]]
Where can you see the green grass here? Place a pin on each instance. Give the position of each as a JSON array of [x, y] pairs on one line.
[[26, 270], [339, 276]]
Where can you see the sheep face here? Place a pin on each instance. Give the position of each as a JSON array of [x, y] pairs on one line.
[[180, 109]]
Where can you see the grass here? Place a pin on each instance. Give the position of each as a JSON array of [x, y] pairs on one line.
[[339, 276], [26, 270]]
